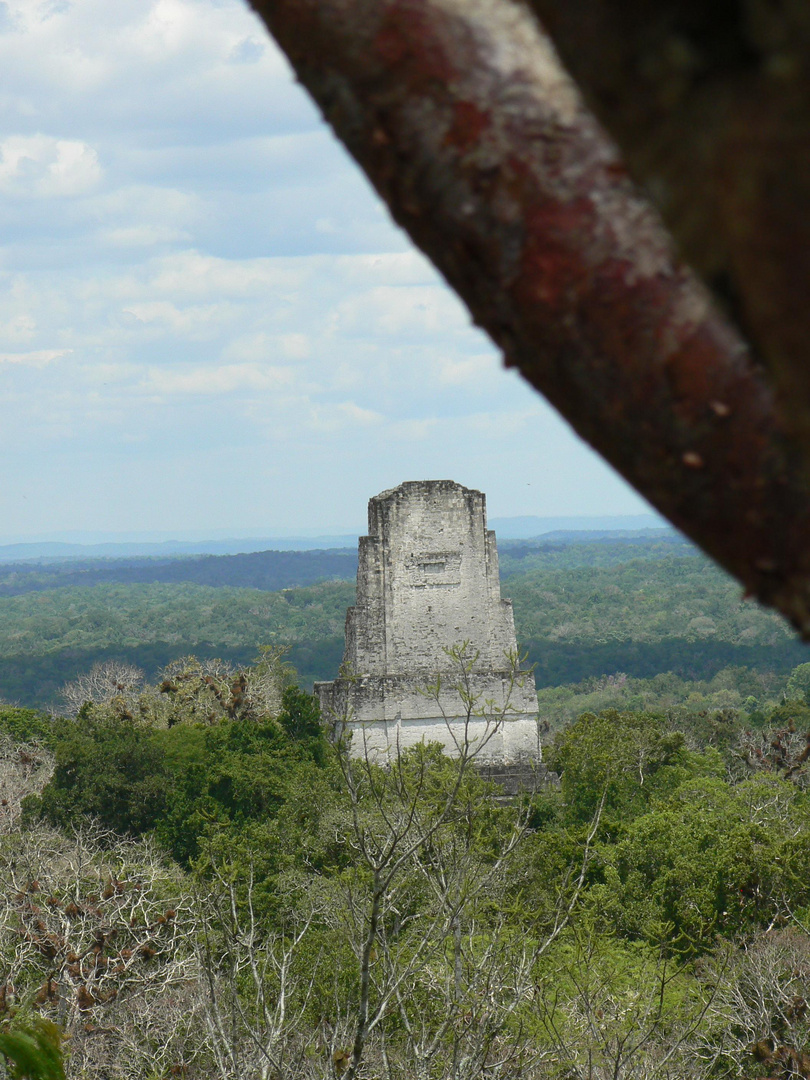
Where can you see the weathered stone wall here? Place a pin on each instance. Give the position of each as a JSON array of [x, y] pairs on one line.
[[427, 580]]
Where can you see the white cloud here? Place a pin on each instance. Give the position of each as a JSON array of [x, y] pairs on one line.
[[169, 28], [469, 370], [296, 346], [143, 236], [262, 346], [227, 379], [342, 416], [256, 347], [37, 359], [195, 323], [20, 327], [47, 167], [414, 430], [401, 311], [191, 273], [235, 304], [143, 62], [387, 267]]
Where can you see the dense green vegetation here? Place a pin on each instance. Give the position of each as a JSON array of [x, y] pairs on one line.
[[179, 782], [644, 617], [274, 570], [131, 616], [751, 693], [520, 557], [654, 905], [582, 610], [641, 600], [47, 638], [196, 882], [268, 570]]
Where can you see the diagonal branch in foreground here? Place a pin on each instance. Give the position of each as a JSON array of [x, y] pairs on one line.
[[466, 123]]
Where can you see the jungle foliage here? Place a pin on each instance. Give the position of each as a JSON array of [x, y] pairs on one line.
[[275, 570], [196, 856], [582, 610]]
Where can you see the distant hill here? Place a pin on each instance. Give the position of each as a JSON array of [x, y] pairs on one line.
[[559, 550], [272, 570], [528, 527], [63, 551], [88, 547], [266, 570]]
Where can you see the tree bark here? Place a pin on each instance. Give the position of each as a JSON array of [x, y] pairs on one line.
[[466, 123]]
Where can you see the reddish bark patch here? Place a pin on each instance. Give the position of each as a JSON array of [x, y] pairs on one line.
[[469, 122], [552, 271], [407, 40]]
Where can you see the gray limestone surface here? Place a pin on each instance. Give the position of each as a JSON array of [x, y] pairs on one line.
[[428, 581]]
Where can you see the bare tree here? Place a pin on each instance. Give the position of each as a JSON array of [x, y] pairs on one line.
[[25, 769], [206, 691], [620, 1013], [401, 962], [267, 679], [99, 939], [255, 993], [419, 904], [779, 750], [198, 691], [759, 1016], [105, 682]]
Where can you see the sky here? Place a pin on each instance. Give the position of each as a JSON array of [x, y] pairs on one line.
[[208, 321]]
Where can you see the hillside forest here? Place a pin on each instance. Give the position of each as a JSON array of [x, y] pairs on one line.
[[641, 606], [198, 882]]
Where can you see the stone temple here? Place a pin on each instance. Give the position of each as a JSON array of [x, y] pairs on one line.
[[427, 580]]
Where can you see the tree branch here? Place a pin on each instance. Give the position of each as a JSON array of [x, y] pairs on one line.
[[464, 120]]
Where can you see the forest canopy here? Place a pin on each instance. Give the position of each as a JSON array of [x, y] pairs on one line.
[[198, 881], [582, 610]]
